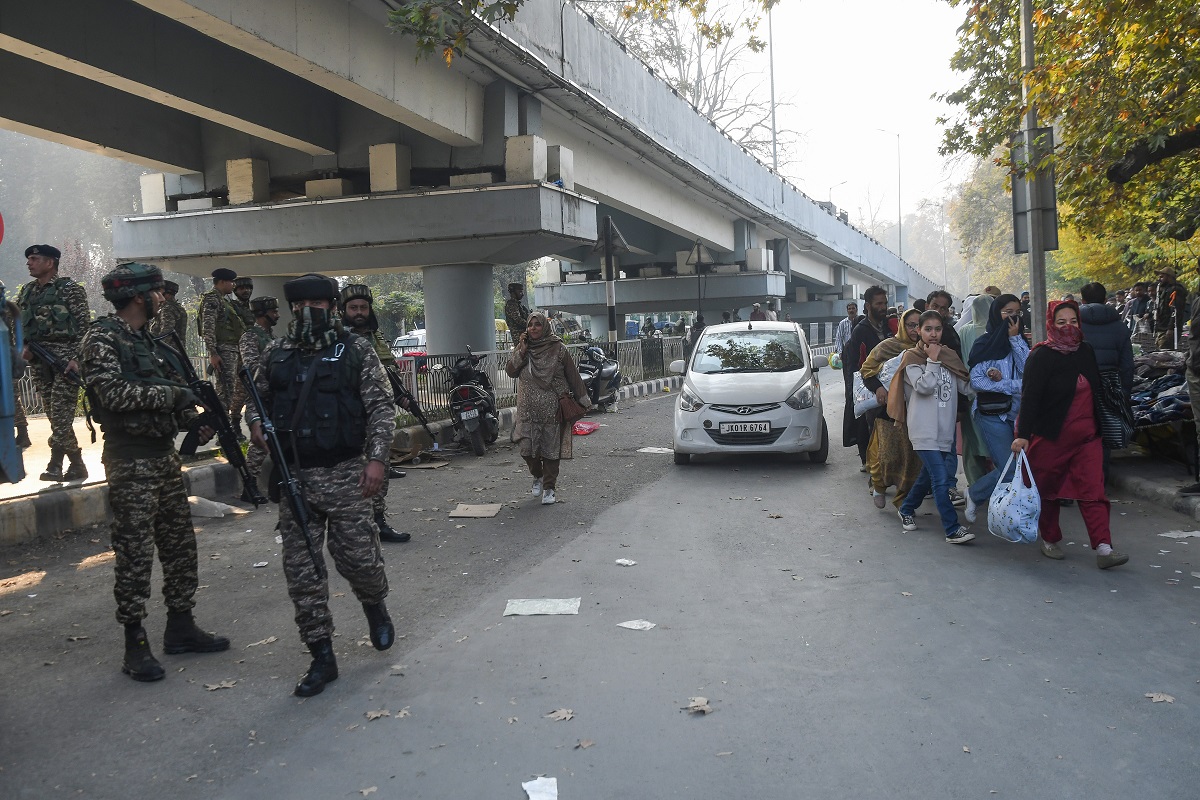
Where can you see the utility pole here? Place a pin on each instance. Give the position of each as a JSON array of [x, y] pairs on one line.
[[1037, 255], [610, 280], [771, 55]]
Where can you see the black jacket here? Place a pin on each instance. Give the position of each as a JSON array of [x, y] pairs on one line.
[[863, 339], [1109, 337], [1048, 389]]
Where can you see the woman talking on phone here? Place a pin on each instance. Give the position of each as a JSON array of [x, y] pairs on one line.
[[1059, 427], [997, 362]]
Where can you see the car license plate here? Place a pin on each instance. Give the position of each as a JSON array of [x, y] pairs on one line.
[[745, 427], [470, 413]]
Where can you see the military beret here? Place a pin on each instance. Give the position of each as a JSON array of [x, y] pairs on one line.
[[224, 274], [357, 291], [170, 287], [310, 287], [263, 304], [245, 281], [43, 250]]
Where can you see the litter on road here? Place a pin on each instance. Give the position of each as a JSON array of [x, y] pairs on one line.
[[626, 562], [203, 507], [483, 511], [545, 605], [541, 788], [659, 450], [1180, 534], [636, 625]]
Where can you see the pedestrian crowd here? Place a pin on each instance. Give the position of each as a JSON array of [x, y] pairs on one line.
[[926, 391]]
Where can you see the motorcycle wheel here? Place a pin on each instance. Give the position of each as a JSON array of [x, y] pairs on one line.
[[477, 444], [493, 431]]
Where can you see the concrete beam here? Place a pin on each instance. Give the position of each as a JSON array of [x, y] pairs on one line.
[[47, 103], [663, 294], [504, 224], [338, 47], [120, 44]]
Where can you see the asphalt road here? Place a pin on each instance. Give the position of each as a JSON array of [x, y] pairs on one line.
[[840, 656]]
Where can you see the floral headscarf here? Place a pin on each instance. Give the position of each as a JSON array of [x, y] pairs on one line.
[[1067, 338]]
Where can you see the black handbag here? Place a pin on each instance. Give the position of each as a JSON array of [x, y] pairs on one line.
[[1116, 415], [994, 404]]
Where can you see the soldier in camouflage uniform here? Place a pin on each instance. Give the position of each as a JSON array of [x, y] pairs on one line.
[[327, 394], [11, 314], [221, 327], [242, 289], [357, 311], [254, 341], [54, 313], [140, 400], [172, 316]]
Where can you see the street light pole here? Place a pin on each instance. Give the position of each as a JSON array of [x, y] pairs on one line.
[[771, 56], [836, 185], [1037, 255]]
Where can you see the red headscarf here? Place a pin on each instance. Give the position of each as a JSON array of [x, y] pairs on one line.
[[1067, 338]]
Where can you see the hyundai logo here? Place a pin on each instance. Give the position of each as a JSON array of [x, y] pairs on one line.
[[743, 410]]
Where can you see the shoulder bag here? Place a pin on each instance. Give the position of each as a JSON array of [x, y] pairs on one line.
[[569, 409], [1116, 417], [995, 404]]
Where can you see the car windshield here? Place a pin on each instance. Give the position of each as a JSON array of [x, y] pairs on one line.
[[411, 341], [749, 351]]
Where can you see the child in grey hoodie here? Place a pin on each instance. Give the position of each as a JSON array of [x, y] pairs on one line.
[[931, 377]]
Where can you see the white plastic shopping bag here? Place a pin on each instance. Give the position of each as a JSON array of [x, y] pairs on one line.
[[1014, 508], [864, 398]]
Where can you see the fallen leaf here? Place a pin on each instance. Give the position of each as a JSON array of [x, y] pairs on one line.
[[698, 705], [906, 594], [404, 712], [1160, 697], [831, 575], [212, 687], [561, 715], [374, 715], [625, 562], [190, 778], [966, 749], [512, 720], [77, 638], [584, 744], [268, 640], [774, 516], [352, 727], [5, 612]]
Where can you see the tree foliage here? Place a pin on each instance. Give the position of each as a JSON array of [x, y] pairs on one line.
[[1118, 81]]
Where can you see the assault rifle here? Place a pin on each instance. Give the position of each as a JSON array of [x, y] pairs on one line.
[[406, 400], [288, 483], [215, 417], [59, 366]]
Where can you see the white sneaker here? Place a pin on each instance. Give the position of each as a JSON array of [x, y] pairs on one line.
[[969, 513], [548, 497], [537, 488]]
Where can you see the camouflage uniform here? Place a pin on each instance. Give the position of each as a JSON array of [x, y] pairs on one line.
[[134, 391], [250, 348], [379, 501], [237, 400], [516, 316], [56, 315], [221, 327], [334, 498], [171, 316]]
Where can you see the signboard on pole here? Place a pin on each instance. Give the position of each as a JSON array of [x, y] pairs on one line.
[[1025, 160]]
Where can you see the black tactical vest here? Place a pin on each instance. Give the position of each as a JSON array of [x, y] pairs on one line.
[[332, 425], [142, 361]]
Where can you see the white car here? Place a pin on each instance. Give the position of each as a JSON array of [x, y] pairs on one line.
[[750, 387], [413, 340]]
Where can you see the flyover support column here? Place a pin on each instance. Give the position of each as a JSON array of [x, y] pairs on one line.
[[459, 308], [272, 286]]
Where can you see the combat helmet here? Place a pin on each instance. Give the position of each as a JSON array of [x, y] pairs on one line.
[[130, 280], [357, 291]]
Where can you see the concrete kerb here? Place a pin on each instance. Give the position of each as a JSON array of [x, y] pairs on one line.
[[1160, 490], [24, 519]]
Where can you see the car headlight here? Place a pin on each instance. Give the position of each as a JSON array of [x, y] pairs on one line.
[[803, 397], [689, 401]]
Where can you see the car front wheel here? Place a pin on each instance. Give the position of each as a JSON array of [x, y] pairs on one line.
[[821, 454], [682, 458]]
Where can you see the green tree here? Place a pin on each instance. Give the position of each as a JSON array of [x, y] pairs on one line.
[[1117, 80]]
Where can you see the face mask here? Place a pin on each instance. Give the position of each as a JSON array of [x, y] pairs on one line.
[[315, 327]]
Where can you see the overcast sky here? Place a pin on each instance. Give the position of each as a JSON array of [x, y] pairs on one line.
[[852, 66]]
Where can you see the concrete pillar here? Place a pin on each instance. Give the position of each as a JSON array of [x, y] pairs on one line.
[[249, 180], [598, 325], [458, 308], [560, 166], [272, 286], [525, 158], [391, 167], [156, 188], [529, 115]]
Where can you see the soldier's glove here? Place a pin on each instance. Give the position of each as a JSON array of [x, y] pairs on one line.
[[186, 399]]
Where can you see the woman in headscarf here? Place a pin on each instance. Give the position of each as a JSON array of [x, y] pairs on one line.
[[890, 456], [545, 372], [924, 398], [997, 362], [1059, 429], [974, 448]]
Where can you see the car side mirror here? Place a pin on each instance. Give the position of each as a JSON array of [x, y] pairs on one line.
[[677, 366], [820, 361]]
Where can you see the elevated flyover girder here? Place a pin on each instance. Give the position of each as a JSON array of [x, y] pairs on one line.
[[504, 224], [639, 295]]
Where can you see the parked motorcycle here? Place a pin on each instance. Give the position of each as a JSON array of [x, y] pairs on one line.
[[472, 402], [602, 377]]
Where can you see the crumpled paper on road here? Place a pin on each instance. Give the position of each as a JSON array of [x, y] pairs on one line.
[[541, 788], [1180, 534], [542, 605], [203, 507]]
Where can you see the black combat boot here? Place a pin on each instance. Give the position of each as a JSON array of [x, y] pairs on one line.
[[23, 437], [383, 634], [54, 470], [77, 471], [182, 636], [256, 498], [321, 671], [140, 663], [389, 534]]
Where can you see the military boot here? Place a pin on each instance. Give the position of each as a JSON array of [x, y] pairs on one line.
[[389, 534], [77, 471], [140, 663], [182, 636], [383, 634], [321, 671], [23, 437], [54, 469]]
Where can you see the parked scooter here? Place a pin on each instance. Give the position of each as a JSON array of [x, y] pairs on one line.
[[472, 403], [602, 377]]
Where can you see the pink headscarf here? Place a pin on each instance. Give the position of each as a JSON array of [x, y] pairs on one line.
[[1067, 338]]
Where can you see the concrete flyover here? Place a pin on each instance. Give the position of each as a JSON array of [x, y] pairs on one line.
[[297, 135]]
